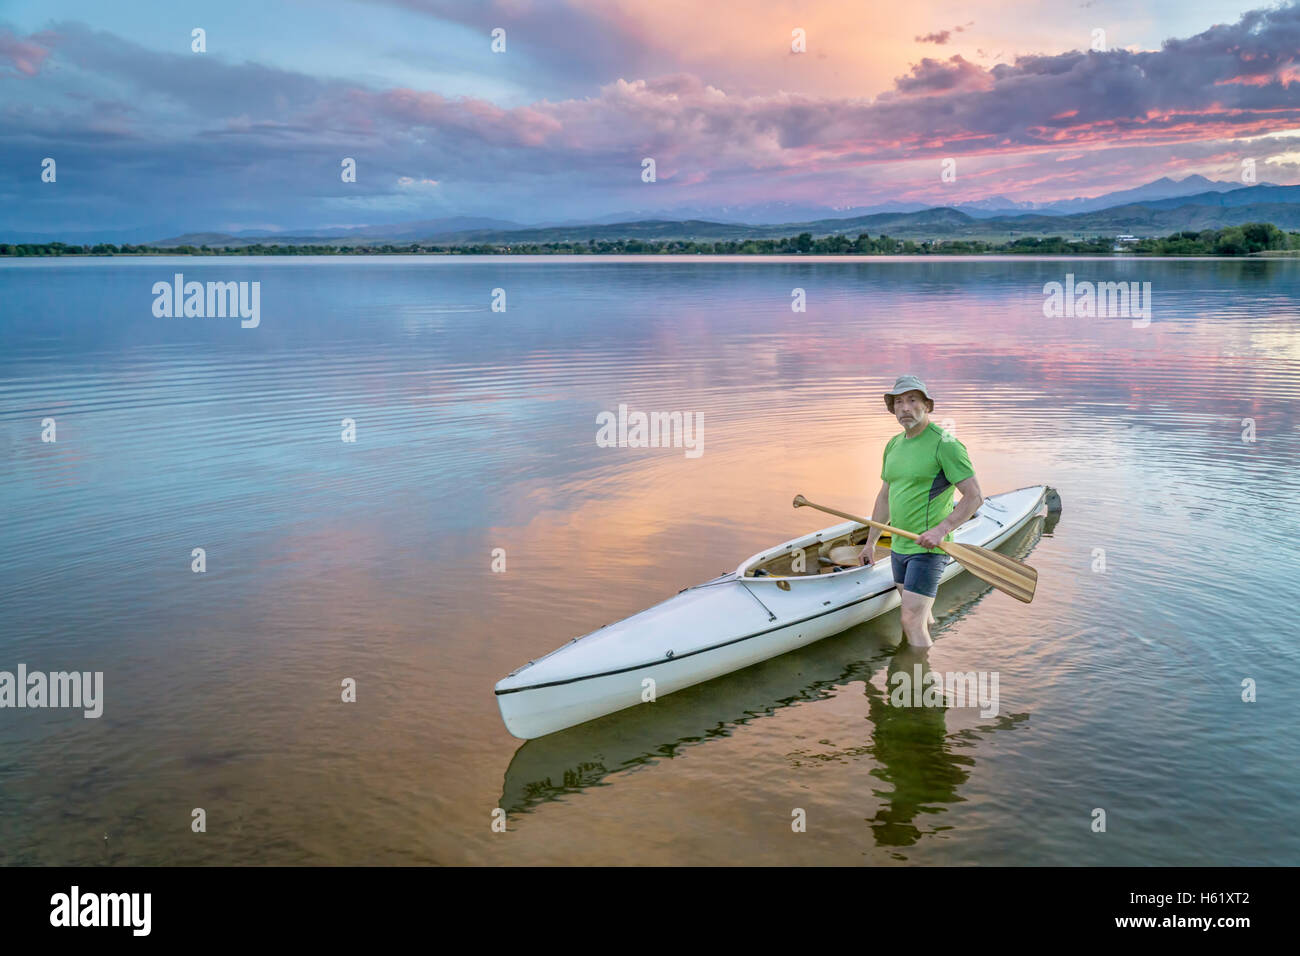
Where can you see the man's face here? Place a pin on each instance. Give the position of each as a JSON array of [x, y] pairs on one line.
[[909, 408]]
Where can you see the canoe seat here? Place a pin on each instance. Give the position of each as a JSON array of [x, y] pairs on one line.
[[840, 548], [846, 555]]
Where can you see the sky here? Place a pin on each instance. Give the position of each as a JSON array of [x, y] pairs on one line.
[[1034, 101]]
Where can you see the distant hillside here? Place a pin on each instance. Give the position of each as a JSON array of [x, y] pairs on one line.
[[1246, 196], [427, 229], [1147, 219], [1154, 191], [1212, 209], [1153, 219]]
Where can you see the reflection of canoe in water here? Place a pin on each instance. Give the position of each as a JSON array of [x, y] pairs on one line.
[[572, 760], [774, 602]]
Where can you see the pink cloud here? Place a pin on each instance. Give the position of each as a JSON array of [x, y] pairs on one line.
[[1190, 91], [26, 56]]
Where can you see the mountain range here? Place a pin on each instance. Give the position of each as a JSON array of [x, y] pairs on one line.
[[1156, 208]]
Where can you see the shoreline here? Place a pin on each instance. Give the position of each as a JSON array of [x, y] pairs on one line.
[[666, 256], [1247, 240]]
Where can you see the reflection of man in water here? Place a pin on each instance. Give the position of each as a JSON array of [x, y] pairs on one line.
[[910, 745]]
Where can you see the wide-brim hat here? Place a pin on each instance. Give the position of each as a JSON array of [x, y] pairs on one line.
[[906, 383]]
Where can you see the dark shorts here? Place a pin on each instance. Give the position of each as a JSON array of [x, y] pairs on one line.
[[919, 573]]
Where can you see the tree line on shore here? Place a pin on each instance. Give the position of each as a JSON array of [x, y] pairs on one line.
[[1232, 241]]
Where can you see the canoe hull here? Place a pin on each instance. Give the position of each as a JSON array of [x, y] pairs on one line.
[[717, 628], [538, 711]]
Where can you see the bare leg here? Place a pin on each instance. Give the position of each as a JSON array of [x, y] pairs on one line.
[[916, 618], [899, 588]]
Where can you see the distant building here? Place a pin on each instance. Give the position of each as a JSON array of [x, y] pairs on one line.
[[1125, 242]]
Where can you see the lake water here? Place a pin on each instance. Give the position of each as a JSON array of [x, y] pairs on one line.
[[1167, 582]]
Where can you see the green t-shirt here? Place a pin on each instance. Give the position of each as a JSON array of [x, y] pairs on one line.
[[922, 473]]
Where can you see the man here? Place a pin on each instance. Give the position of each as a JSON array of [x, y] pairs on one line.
[[922, 465]]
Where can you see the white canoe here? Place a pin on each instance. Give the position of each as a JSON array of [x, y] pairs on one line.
[[763, 608]]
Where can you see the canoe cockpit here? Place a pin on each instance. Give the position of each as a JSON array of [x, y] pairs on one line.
[[815, 556]]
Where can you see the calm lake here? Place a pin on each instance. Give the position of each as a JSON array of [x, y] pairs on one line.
[[1167, 588]]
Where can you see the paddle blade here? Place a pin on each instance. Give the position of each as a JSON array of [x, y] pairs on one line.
[[1004, 573]]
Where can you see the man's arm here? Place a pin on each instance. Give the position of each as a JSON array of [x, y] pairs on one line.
[[878, 513], [971, 499]]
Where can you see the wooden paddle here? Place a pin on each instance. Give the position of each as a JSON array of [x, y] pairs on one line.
[[1006, 574]]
